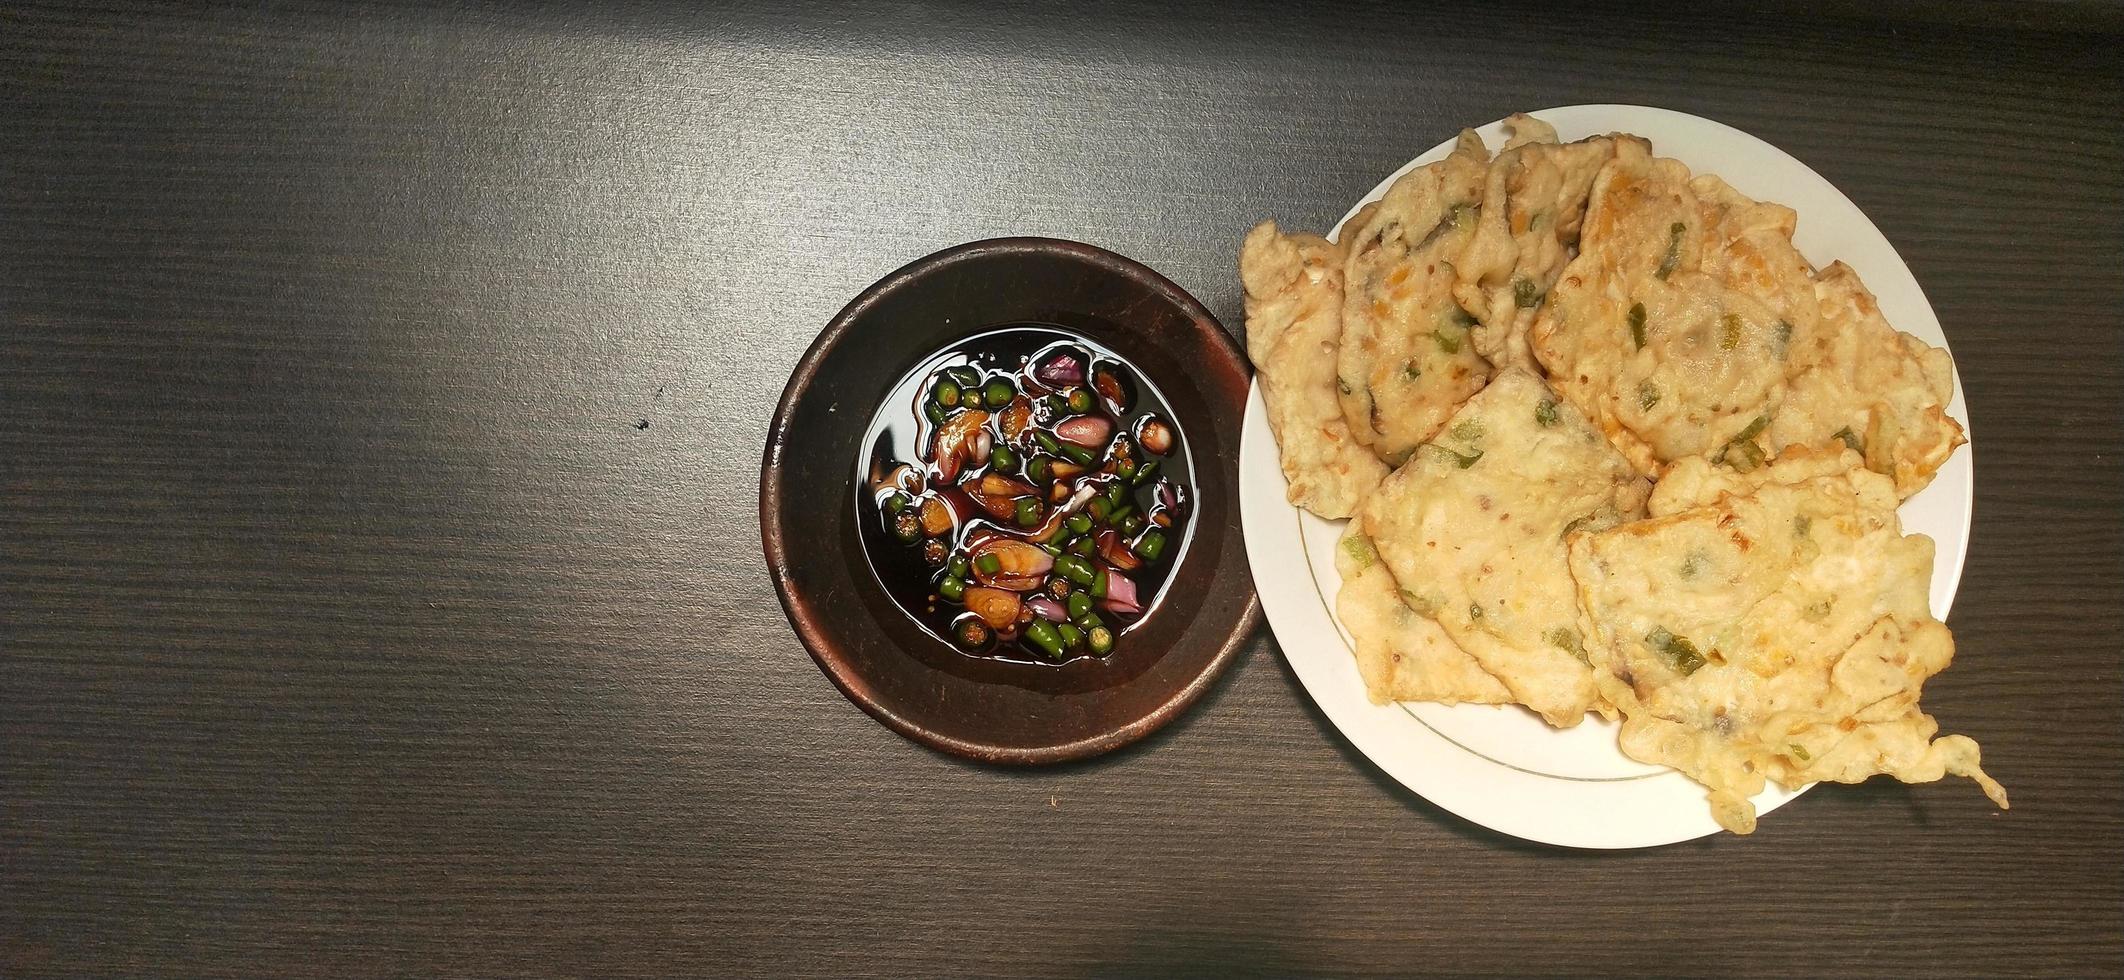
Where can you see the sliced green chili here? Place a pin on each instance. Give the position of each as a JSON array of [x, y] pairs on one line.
[[1076, 569], [1679, 654], [1567, 639], [1673, 256], [1099, 639], [1041, 634], [1851, 440], [1526, 294], [1462, 461]]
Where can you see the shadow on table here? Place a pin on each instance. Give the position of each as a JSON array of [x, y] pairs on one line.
[[1358, 761], [1387, 784]]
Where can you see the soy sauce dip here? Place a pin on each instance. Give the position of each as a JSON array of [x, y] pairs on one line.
[[1024, 495]]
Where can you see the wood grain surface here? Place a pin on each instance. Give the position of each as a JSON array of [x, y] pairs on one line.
[[381, 399]]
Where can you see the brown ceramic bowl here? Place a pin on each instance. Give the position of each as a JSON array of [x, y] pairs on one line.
[[876, 653]]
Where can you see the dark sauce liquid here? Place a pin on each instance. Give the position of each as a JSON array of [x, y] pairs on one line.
[[895, 459]]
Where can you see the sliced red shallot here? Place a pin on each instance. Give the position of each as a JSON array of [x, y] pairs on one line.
[[1120, 595], [1171, 497], [1112, 390], [1015, 418], [998, 494], [996, 607], [955, 442], [1060, 370], [1155, 435], [937, 517], [1047, 609], [1114, 550], [1089, 431], [1019, 567]]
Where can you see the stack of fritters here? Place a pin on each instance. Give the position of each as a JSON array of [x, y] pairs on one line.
[[1610, 443]]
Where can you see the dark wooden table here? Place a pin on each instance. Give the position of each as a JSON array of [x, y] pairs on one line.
[[381, 401]]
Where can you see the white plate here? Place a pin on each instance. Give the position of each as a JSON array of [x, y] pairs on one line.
[[1501, 767]]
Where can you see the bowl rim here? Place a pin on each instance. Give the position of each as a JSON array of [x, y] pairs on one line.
[[818, 640]]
